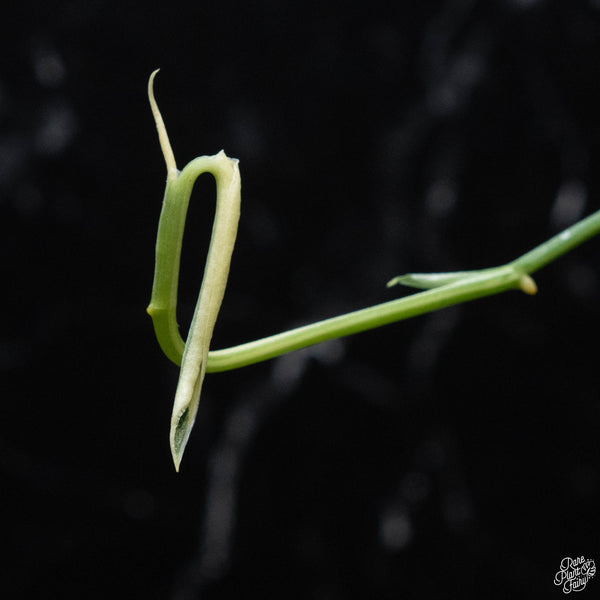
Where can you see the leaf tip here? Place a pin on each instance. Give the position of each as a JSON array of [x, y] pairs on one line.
[[163, 138], [181, 426]]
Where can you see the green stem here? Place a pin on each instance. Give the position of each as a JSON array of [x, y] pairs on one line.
[[484, 283], [558, 245], [362, 320]]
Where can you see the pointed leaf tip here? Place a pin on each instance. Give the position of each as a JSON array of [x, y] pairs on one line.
[[163, 138], [426, 281], [180, 433]]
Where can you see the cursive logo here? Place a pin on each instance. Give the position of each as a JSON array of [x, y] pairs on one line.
[[574, 573]]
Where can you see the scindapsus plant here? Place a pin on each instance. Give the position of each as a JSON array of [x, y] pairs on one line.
[[194, 355]]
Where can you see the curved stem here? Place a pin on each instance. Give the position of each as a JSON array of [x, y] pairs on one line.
[[192, 354], [163, 304]]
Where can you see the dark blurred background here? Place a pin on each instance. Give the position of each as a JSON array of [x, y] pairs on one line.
[[454, 455]]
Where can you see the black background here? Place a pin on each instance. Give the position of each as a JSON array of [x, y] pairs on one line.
[[455, 455]]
